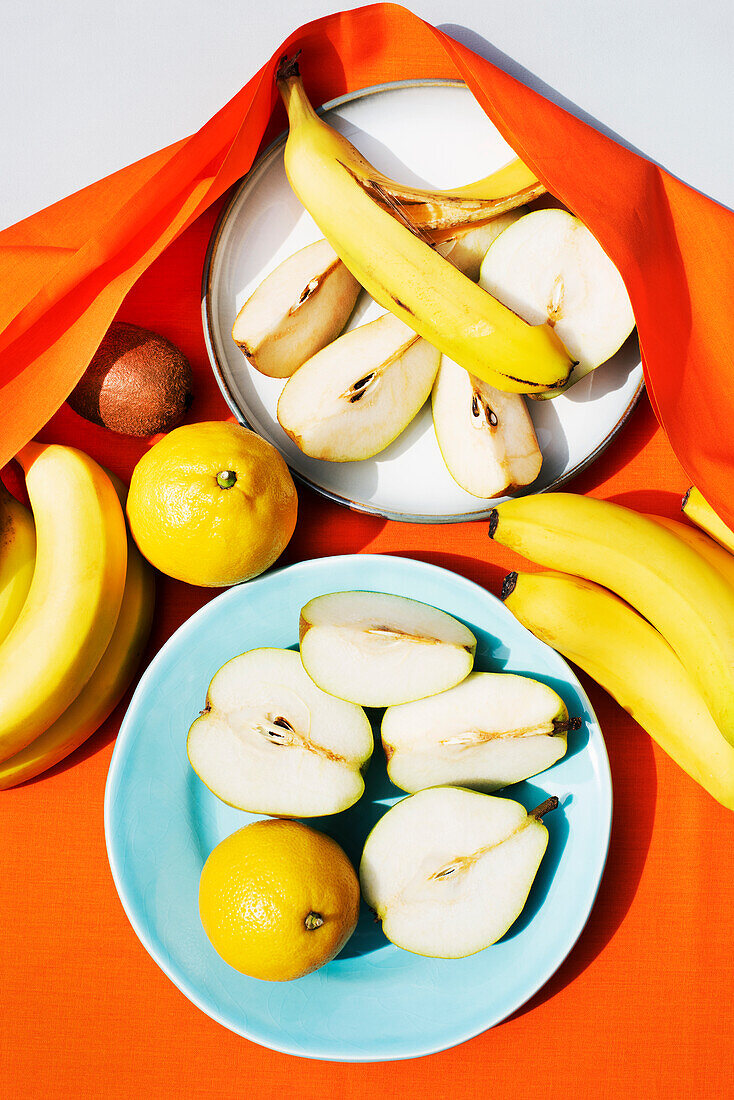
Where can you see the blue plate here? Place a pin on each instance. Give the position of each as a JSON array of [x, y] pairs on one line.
[[374, 1002]]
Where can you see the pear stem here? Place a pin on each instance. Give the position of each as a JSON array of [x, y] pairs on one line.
[[544, 808]]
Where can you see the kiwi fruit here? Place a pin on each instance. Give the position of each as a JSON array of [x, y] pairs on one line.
[[138, 383]]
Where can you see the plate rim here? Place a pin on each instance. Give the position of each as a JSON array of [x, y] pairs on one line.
[[218, 370], [179, 979]]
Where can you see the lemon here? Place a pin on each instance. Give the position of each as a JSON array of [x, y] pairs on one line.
[[278, 899], [212, 504]]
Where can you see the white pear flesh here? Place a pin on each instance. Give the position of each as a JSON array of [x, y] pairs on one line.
[[492, 729], [378, 650], [270, 742], [549, 268], [467, 249], [485, 435], [349, 401], [297, 309], [448, 871]]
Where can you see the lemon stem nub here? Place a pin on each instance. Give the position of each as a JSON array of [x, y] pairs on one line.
[[226, 479], [313, 921]]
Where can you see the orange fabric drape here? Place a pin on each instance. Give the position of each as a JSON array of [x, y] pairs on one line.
[[66, 270]]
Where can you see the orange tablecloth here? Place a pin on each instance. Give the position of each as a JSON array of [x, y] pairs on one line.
[[641, 1008]]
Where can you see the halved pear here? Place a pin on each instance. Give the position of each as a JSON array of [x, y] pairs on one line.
[[469, 247], [448, 871], [269, 741], [485, 435], [355, 396], [299, 308], [492, 729], [378, 649], [548, 267]]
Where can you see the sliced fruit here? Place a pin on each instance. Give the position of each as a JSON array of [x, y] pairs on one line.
[[269, 741], [298, 309], [490, 730], [548, 268], [485, 435], [448, 870], [399, 267], [379, 650], [468, 248], [355, 396]]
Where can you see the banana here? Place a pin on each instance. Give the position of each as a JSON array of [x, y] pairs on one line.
[[109, 681], [667, 581], [17, 558], [441, 214], [75, 595], [714, 554], [400, 270], [633, 662], [698, 509]]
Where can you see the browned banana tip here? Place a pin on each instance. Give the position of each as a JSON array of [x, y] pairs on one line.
[[508, 584], [494, 518], [686, 495]]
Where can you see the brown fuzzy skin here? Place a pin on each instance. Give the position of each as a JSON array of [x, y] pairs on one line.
[[137, 384]]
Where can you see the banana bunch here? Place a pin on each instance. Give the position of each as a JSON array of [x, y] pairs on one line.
[[666, 653], [76, 603], [385, 236]]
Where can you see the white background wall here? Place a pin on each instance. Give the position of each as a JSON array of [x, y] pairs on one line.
[[87, 86]]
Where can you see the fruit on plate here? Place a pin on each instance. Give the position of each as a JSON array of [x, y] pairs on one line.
[[355, 396], [278, 900], [698, 509], [448, 871], [668, 582], [212, 504], [107, 684], [271, 742], [633, 662], [17, 558], [138, 383], [468, 247], [74, 599], [299, 308], [400, 269], [378, 650], [490, 730], [713, 552], [485, 435], [548, 268]]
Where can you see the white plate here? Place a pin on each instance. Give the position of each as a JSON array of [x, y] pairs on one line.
[[431, 133]]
